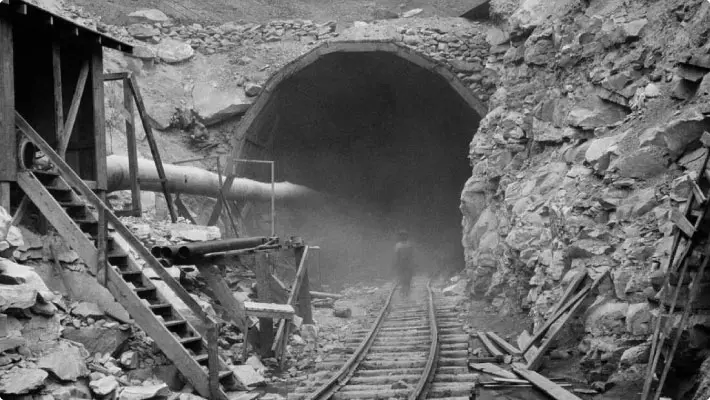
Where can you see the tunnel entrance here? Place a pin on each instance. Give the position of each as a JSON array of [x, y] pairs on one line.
[[387, 139]]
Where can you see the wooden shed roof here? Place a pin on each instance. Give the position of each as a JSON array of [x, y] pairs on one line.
[[64, 25]]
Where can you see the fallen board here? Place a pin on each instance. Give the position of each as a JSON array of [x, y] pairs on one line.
[[493, 370], [269, 310], [492, 349], [552, 389], [509, 348]]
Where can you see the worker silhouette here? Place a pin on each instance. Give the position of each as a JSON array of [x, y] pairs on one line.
[[403, 262]]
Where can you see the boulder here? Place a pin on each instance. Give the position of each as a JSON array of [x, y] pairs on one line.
[[248, 377], [143, 392], [252, 89], [129, 360], [144, 52], [174, 51], [600, 151], [98, 340], [636, 355], [142, 31], [638, 319], [457, 289], [678, 134], [104, 386], [411, 13], [604, 114], [20, 286], [87, 309], [637, 205], [607, 318], [643, 163], [342, 312], [66, 362], [632, 30], [214, 105], [21, 380], [148, 15]]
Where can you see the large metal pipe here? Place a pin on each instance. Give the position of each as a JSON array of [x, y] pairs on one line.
[[188, 251], [197, 181]]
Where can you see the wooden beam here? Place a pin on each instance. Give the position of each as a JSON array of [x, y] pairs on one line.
[[8, 150], [509, 348], [132, 151], [269, 310], [575, 305], [552, 389], [101, 174], [570, 291], [57, 82], [77, 183], [492, 349], [492, 369], [74, 109], [266, 324], [213, 359], [681, 222], [540, 333], [234, 308], [182, 209], [133, 83], [116, 76]]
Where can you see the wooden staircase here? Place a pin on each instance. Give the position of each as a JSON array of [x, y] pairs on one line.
[[173, 334]]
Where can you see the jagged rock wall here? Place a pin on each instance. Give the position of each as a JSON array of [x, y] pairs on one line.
[[591, 132]]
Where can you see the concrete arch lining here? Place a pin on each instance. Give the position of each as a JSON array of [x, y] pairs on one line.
[[245, 129]]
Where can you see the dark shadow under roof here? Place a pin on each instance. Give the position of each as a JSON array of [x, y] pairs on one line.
[[63, 24]]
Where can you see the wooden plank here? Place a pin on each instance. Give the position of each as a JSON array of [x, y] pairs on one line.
[[133, 83], [699, 195], [509, 348], [570, 291], [579, 300], [493, 370], [269, 310], [492, 349], [77, 183], [233, 307], [182, 209], [116, 76], [681, 222], [57, 84], [540, 333], [213, 359], [8, 151], [550, 388], [51, 209], [74, 109], [132, 151]]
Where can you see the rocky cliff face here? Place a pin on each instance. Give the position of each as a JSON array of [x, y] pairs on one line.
[[592, 132]]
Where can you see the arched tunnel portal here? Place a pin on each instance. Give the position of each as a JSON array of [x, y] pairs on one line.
[[382, 129]]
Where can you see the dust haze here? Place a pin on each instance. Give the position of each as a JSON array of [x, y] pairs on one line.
[[385, 140]]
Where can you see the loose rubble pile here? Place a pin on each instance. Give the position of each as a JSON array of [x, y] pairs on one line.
[[583, 172]]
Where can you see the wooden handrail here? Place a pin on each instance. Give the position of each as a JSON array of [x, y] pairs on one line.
[[77, 183]]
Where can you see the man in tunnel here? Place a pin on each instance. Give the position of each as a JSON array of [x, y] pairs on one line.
[[403, 262]]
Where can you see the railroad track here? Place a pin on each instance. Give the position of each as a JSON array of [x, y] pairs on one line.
[[416, 349]]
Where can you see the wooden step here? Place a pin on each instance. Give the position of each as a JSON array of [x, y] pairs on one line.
[[190, 340], [177, 322], [201, 358]]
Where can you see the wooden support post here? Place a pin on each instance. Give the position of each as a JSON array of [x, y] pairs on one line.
[[151, 143], [57, 82], [182, 210], [235, 310], [266, 325], [8, 150], [301, 273], [99, 128], [213, 358], [75, 102], [137, 208]]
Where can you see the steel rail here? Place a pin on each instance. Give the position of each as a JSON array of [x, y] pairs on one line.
[[346, 372], [421, 390]]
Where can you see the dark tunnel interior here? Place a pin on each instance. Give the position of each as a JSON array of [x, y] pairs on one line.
[[389, 139]]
